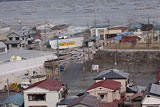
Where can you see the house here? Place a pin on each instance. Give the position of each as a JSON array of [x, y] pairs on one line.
[[111, 104], [99, 31], [16, 100], [136, 99], [151, 96], [84, 101], [106, 90], [45, 93], [58, 29], [65, 102], [3, 33], [3, 48], [116, 75], [23, 38], [14, 40]]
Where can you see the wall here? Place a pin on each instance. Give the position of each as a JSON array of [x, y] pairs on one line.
[[78, 42], [52, 97], [140, 61], [11, 70]]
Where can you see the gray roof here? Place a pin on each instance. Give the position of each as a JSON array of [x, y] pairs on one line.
[[65, 101], [88, 100], [26, 54], [112, 74], [2, 45], [155, 89]]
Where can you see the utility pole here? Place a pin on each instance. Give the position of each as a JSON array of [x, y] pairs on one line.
[[59, 74], [108, 22], [8, 92]]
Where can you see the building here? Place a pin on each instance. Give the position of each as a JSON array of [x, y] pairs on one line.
[[3, 48], [84, 101], [16, 100], [67, 43], [45, 93], [116, 75], [136, 99], [106, 90], [3, 33], [20, 39], [16, 63], [151, 96]]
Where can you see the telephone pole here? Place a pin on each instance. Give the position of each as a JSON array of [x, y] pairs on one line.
[[59, 74]]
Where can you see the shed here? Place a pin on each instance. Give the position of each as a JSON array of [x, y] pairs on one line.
[[3, 48]]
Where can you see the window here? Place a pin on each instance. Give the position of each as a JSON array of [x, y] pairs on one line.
[[2, 50], [14, 45], [37, 97], [10, 38], [17, 38], [103, 96]]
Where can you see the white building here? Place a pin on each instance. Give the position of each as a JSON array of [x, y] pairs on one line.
[[152, 96], [67, 43], [3, 48], [45, 93], [22, 62]]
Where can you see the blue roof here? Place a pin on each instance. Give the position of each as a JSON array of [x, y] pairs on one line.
[[16, 99], [157, 26], [118, 37], [138, 26]]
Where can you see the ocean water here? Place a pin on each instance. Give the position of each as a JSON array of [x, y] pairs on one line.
[[79, 12]]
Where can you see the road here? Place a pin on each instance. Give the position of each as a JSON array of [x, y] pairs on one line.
[[74, 78]]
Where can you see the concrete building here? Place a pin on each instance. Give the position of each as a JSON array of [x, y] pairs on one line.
[[3, 48], [151, 96], [24, 62], [106, 91], [116, 75], [45, 93]]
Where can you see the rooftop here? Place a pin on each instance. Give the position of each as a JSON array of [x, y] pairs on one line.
[[2, 45], [48, 84], [109, 84], [112, 74], [25, 54], [87, 100], [16, 99]]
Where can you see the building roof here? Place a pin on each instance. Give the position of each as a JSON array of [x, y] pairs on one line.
[[100, 26], [2, 45], [87, 100], [65, 101], [60, 27], [153, 89], [109, 84], [48, 84], [122, 28], [136, 96], [112, 74], [106, 104], [25, 54], [16, 99]]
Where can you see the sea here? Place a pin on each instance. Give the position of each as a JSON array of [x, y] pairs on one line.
[[78, 12]]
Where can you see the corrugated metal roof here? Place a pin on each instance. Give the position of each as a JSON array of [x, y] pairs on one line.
[[16, 99], [2, 45]]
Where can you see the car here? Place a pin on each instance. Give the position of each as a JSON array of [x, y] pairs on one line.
[[75, 57]]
